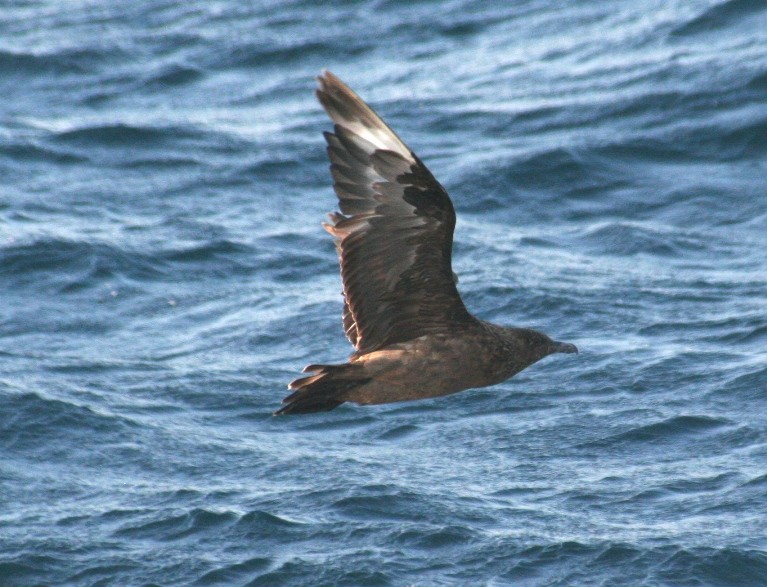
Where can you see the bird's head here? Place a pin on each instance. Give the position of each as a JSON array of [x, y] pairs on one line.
[[539, 345]]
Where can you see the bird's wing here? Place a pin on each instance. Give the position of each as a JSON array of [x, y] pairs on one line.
[[395, 232]]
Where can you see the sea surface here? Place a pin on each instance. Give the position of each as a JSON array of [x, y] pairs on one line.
[[164, 274]]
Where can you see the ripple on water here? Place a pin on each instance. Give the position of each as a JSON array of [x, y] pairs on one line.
[[163, 275], [664, 431], [164, 527]]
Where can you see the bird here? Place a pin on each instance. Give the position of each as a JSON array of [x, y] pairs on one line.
[[412, 334]]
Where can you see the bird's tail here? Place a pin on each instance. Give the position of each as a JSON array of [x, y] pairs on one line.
[[323, 391]]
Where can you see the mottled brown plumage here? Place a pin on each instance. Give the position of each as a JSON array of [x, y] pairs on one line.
[[413, 336]]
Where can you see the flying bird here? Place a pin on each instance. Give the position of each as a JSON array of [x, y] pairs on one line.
[[413, 336]]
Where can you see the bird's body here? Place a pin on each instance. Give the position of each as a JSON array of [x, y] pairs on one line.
[[414, 337]]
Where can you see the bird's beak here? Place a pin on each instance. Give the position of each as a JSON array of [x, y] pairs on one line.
[[564, 347]]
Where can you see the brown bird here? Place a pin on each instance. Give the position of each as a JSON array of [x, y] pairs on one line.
[[413, 336]]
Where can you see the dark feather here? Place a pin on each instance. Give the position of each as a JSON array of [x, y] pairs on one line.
[[395, 235], [323, 391]]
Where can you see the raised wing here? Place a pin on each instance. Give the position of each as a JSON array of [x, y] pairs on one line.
[[395, 234]]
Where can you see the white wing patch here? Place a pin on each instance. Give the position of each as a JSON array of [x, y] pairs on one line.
[[380, 137], [364, 123]]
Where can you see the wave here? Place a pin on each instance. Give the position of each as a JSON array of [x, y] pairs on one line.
[[25, 152], [173, 75], [758, 82], [732, 330], [625, 240], [725, 566], [75, 265], [721, 16], [62, 62], [31, 569], [121, 134], [664, 431], [685, 490], [256, 55], [536, 187], [681, 565], [177, 527], [386, 503], [435, 538], [45, 426], [753, 383], [236, 573]]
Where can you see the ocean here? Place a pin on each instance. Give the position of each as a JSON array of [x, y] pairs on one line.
[[164, 274]]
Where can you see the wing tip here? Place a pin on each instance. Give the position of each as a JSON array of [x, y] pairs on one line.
[[327, 84], [347, 110], [327, 77]]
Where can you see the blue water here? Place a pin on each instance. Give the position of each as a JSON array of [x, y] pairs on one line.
[[164, 274]]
